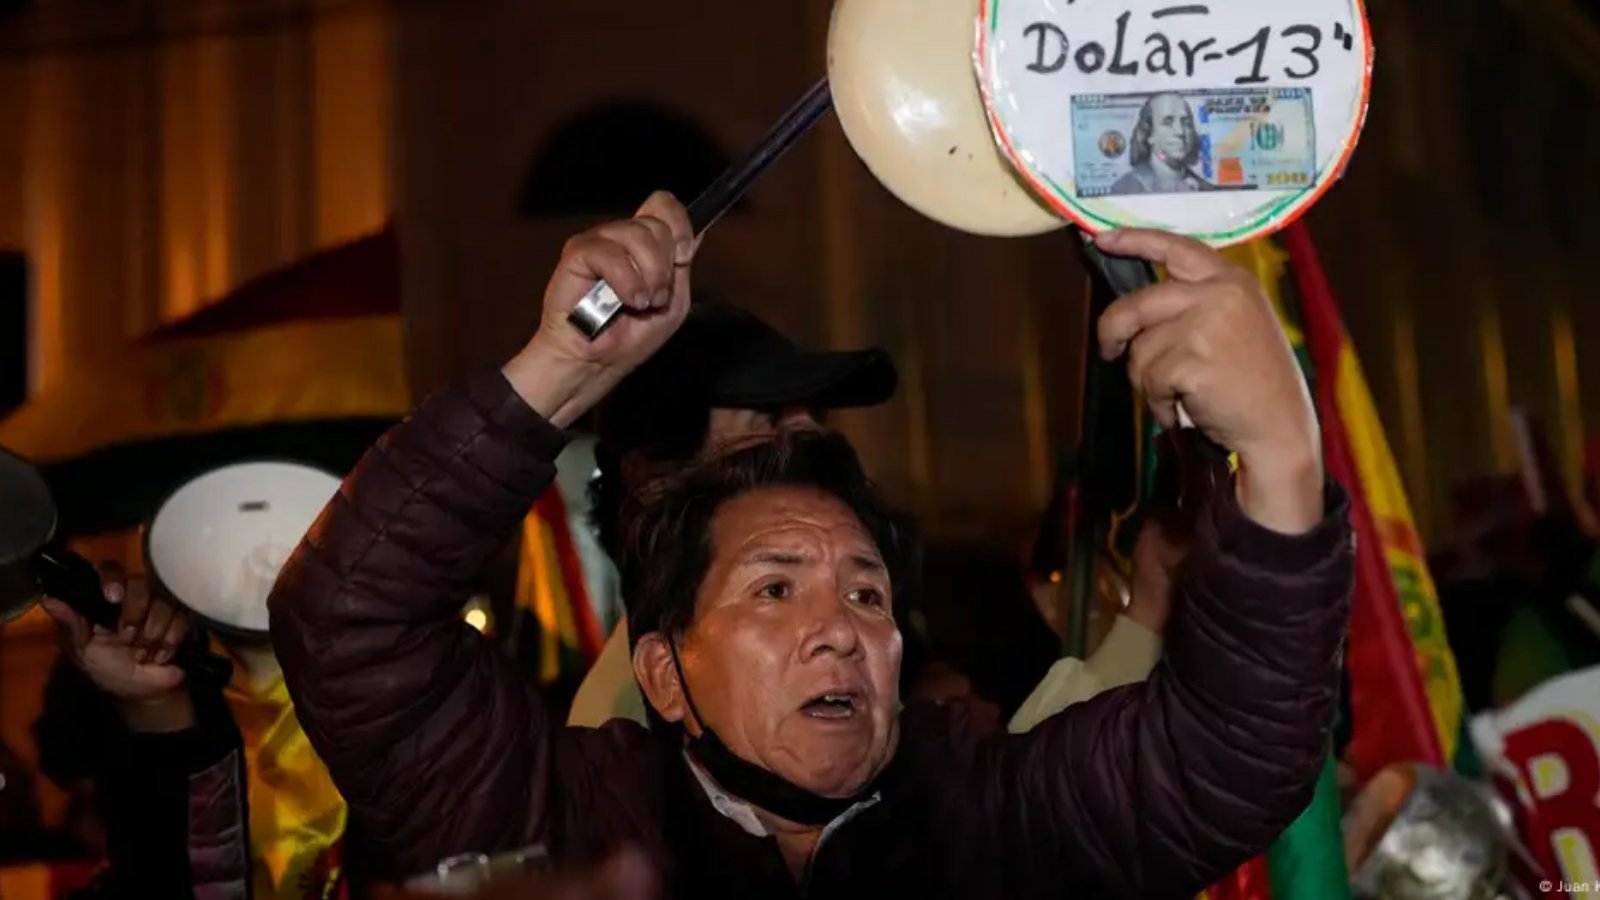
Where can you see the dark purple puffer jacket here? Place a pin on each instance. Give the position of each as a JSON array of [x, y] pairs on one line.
[[1151, 790]]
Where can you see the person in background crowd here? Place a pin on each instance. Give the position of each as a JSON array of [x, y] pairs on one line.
[[239, 795], [760, 588], [1517, 592], [1132, 648], [161, 786]]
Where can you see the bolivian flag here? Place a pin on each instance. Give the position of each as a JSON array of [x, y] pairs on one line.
[[1405, 696], [1405, 691], [551, 589]]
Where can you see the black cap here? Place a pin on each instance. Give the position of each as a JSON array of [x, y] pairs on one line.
[[723, 356]]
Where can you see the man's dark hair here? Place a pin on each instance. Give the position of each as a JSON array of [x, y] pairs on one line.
[[667, 548]]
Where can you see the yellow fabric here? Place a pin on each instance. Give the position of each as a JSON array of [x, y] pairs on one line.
[[296, 814], [345, 368], [609, 691]]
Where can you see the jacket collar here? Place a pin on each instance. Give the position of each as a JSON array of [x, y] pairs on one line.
[[744, 814]]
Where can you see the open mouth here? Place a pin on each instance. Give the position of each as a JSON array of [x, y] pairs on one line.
[[833, 705]]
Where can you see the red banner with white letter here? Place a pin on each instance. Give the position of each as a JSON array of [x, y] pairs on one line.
[[1544, 754]]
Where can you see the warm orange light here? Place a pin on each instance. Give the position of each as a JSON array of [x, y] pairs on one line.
[[44, 185], [1496, 382], [214, 124], [351, 75], [1565, 357]]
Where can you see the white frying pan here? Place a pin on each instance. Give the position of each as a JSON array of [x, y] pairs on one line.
[[906, 95]]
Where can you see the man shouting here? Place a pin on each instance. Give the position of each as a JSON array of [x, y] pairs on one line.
[[760, 587]]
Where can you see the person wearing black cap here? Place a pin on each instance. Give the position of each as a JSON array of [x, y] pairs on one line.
[[724, 380]]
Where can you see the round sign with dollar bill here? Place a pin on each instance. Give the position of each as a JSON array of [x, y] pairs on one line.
[[1224, 120]]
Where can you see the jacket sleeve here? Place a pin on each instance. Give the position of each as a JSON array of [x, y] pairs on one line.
[[177, 823], [1158, 789], [435, 743]]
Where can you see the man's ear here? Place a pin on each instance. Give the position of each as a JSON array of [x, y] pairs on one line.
[[658, 677]]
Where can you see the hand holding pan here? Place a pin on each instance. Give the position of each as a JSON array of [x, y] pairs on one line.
[[33, 565]]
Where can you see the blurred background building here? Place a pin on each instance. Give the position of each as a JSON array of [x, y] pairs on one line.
[[157, 154]]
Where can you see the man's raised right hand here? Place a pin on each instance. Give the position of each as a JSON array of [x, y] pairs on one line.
[[645, 260]]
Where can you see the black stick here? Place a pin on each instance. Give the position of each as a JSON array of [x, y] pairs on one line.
[[735, 182], [601, 306]]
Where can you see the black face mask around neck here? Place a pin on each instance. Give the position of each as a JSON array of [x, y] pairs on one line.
[[752, 783]]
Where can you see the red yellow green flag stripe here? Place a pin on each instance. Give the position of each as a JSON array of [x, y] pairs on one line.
[[550, 585], [1405, 690]]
